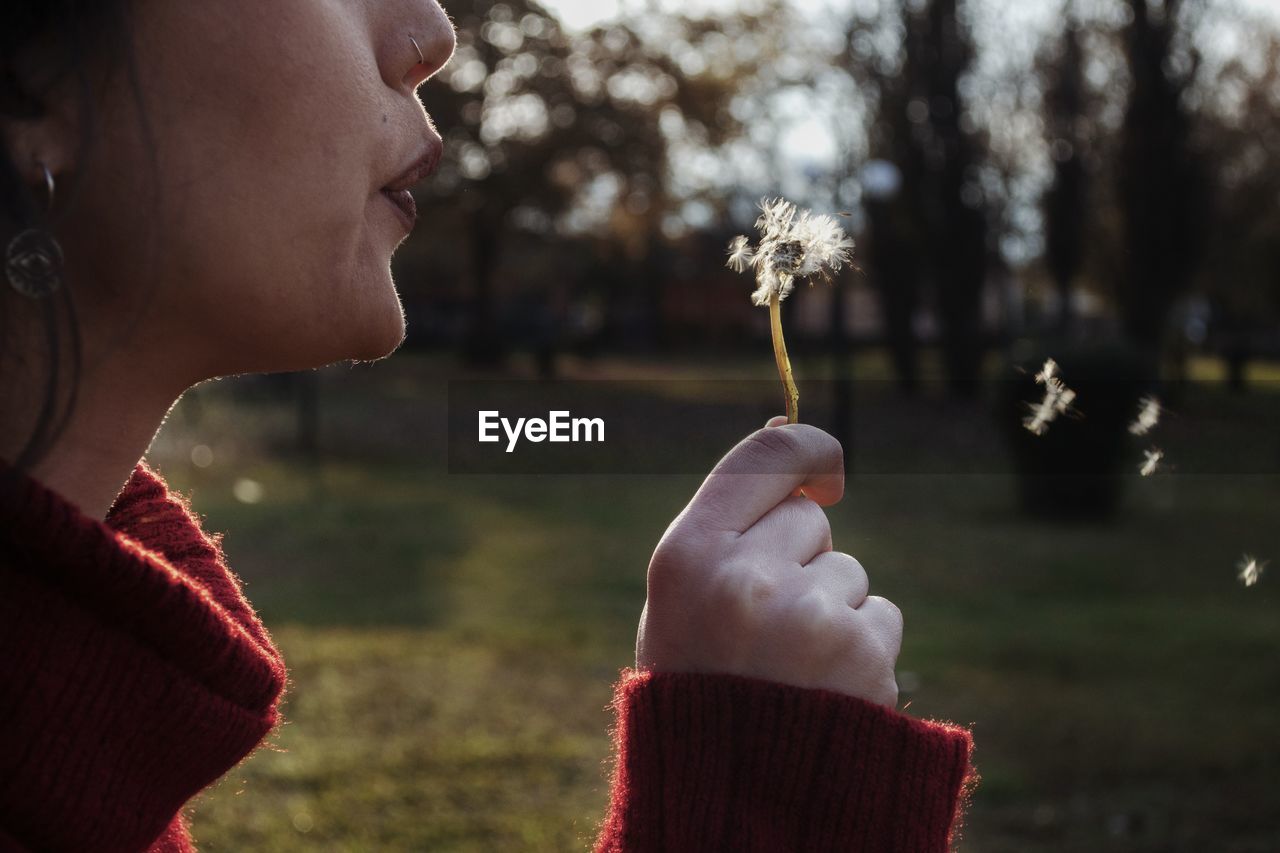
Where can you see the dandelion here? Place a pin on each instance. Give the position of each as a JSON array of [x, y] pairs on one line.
[[1250, 570], [1148, 416], [794, 244], [1057, 399], [1154, 455]]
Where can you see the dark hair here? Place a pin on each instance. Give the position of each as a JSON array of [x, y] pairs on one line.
[[45, 44]]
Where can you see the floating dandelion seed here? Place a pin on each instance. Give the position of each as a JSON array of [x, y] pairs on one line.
[[1154, 455], [1148, 416], [1057, 399], [739, 254], [1048, 372], [1250, 570], [794, 244]]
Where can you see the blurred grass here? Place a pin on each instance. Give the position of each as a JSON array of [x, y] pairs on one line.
[[452, 640]]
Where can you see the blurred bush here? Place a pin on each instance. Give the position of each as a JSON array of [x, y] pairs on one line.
[[1077, 468]]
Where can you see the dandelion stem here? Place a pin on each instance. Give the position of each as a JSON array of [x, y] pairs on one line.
[[790, 391]]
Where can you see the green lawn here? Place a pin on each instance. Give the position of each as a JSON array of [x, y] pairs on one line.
[[453, 639]]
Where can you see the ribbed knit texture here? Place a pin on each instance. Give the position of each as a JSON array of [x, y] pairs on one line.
[[728, 763], [134, 673]]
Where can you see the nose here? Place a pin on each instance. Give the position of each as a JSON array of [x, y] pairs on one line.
[[435, 40]]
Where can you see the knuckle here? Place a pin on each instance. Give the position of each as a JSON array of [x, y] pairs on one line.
[[829, 450], [669, 557], [799, 440], [858, 571], [898, 622], [821, 625], [858, 583], [891, 615], [811, 615], [889, 693], [811, 513], [672, 562], [740, 592], [804, 514], [663, 582], [683, 545], [774, 442], [823, 446]]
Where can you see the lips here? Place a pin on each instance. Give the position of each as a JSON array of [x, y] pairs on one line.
[[424, 164], [405, 206]]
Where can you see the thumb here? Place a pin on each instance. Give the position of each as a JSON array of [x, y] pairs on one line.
[[780, 420]]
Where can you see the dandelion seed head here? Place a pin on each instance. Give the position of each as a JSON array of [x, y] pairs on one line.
[[1154, 455], [794, 244], [740, 253], [775, 218], [787, 257], [1148, 416], [768, 281], [826, 246], [1250, 570]]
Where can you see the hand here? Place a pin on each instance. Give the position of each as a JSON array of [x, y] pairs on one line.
[[745, 581]]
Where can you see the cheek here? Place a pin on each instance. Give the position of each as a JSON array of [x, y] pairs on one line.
[[296, 290], [273, 250], [297, 245], [247, 280]]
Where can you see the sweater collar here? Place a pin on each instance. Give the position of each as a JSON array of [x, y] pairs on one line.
[[136, 673], [151, 566]]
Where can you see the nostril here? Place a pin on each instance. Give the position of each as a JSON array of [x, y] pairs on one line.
[[437, 42], [432, 54]]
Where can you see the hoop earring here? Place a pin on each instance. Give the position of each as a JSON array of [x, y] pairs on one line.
[[33, 259]]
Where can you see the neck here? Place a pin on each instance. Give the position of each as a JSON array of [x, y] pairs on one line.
[[119, 407]]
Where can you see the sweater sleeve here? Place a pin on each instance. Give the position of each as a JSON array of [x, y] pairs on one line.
[[724, 762]]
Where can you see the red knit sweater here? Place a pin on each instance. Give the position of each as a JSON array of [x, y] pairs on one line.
[[133, 673]]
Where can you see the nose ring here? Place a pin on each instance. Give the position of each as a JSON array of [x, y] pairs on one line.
[[418, 49]]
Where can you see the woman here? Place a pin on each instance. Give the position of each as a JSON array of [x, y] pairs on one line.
[[200, 189]]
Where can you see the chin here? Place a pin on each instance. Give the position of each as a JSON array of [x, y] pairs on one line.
[[382, 342], [382, 328], [362, 337]]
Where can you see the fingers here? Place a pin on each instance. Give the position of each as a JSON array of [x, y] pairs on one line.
[[765, 468], [886, 621], [841, 576], [779, 420], [796, 530]]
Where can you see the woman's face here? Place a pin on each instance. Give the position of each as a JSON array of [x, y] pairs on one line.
[[276, 125]]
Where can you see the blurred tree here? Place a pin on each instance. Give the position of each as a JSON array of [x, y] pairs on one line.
[[1161, 181], [553, 132], [890, 191], [1065, 111], [935, 230], [952, 202]]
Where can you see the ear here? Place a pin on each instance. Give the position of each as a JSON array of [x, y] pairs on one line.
[[50, 138]]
